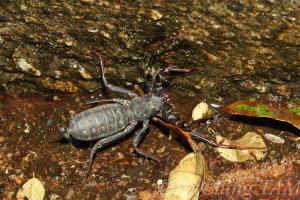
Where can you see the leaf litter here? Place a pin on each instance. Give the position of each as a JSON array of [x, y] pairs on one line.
[[187, 179], [33, 189], [256, 148], [281, 111]]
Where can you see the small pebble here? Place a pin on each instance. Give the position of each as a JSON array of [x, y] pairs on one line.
[[24, 8], [273, 138], [56, 98], [120, 156], [19, 181], [200, 111], [72, 113], [159, 182], [93, 30], [125, 176], [9, 155], [27, 128], [69, 43], [156, 15]]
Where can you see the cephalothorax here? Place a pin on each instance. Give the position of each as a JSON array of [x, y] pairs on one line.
[[109, 122]]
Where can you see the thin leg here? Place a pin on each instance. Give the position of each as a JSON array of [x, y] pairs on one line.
[[104, 142], [199, 137], [168, 115], [114, 100], [169, 69], [121, 90], [148, 85], [171, 118], [137, 139], [109, 87], [155, 76]]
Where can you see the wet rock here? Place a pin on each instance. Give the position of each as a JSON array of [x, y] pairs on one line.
[[27, 67], [228, 42], [273, 138]]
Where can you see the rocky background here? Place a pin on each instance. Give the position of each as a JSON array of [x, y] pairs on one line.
[[238, 47]]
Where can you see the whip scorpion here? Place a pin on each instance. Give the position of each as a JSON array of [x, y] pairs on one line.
[[110, 122]]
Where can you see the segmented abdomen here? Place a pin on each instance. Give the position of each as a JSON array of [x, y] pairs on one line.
[[99, 122]]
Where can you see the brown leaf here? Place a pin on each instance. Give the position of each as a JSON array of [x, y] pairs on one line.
[[250, 139], [31, 190], [281, 111], [187, 179]]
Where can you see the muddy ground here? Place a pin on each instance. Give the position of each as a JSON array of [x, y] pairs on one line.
[[31, 144]]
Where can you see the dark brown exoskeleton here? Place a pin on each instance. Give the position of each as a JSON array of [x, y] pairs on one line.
[[110, 122]]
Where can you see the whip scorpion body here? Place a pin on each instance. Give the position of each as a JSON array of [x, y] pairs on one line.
[[110, 122]]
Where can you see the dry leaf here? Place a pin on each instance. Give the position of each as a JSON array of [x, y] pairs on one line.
[[187, 179], [200, 111], [31, 190], [252, 140]]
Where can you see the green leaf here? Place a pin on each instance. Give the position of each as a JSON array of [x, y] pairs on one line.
[[281, 111], [295, 110], [259, 110]]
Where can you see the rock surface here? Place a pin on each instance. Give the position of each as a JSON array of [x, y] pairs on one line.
[[239, 47]]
